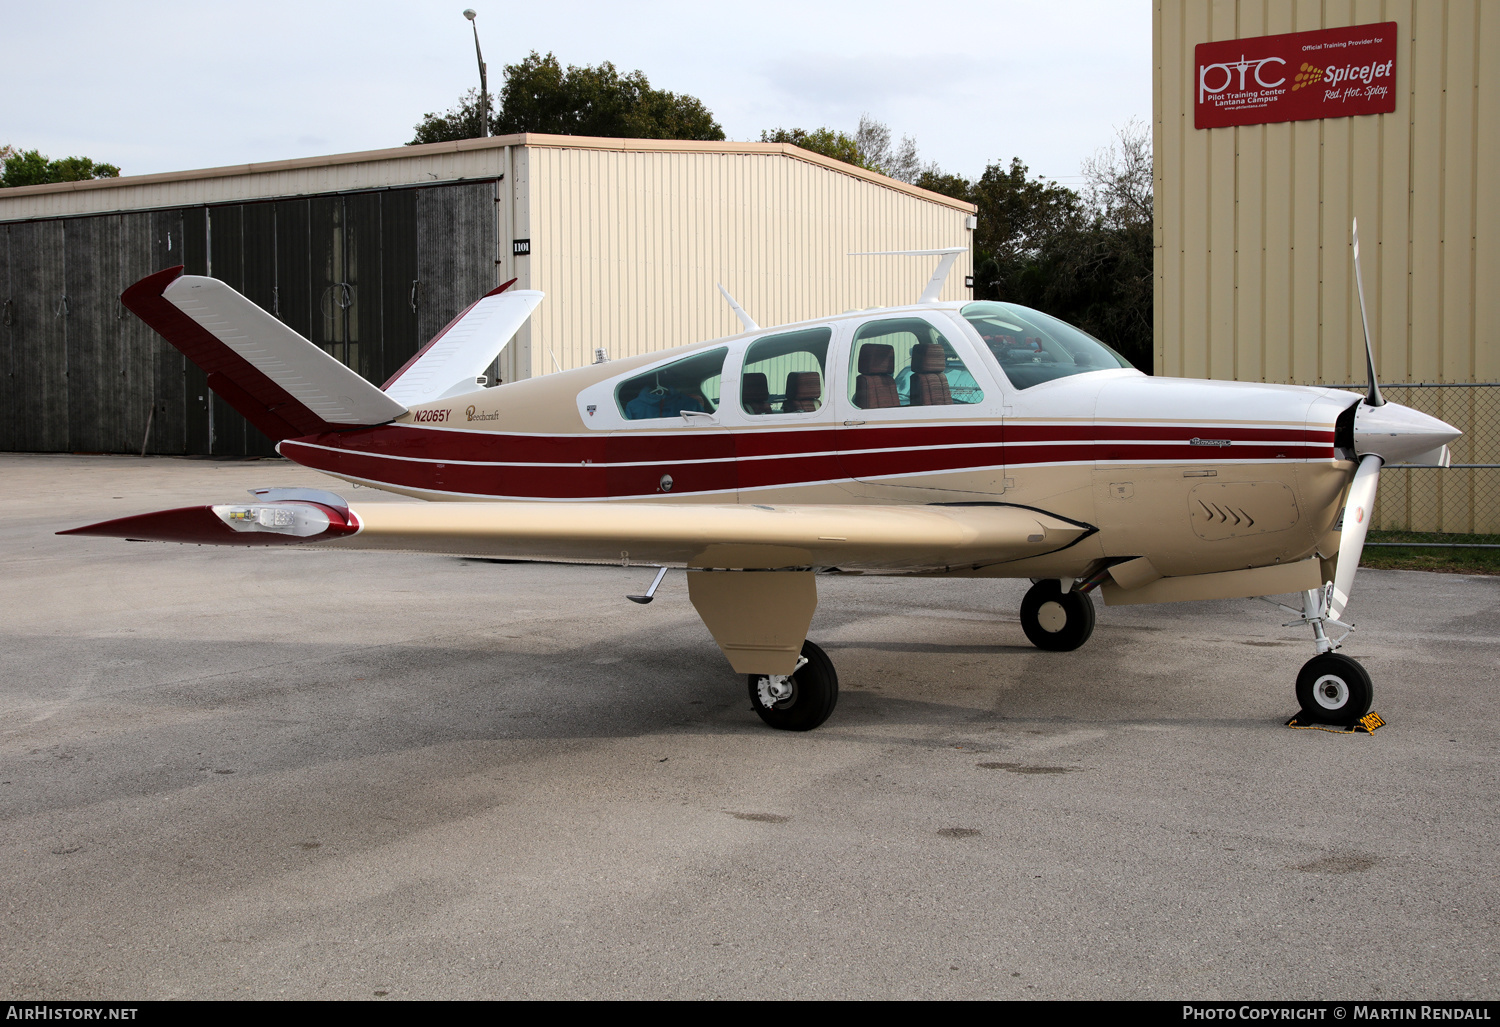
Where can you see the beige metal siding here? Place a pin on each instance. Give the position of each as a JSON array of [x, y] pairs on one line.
[[1254, 274], [628, 246]]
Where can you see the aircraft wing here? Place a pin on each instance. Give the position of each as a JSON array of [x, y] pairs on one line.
[[459, 353], [691, 535]]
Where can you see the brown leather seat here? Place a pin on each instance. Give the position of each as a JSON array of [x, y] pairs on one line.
[[803, 390], [875, 389], [929, 382], [755, 393]]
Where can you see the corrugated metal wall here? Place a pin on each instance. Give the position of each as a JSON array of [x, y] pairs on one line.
[[80, 372], [628, 245], [367, 276], [1254, 274]]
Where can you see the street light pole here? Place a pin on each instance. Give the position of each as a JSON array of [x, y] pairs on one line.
[[484, 86]]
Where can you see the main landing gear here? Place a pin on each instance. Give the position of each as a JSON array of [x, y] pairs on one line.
[[801, 700], [1056, 620]]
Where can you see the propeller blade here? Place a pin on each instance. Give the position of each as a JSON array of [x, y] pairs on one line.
[[1373, 397], [1357, 511]]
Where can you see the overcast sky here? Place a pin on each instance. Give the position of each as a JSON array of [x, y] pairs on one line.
[[168, 85]]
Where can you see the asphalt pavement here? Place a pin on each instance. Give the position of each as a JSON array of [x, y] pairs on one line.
[[294, 773]]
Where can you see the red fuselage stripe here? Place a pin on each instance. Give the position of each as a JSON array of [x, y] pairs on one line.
[[603, 465]]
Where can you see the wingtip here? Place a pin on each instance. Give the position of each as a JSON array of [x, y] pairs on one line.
[[152, 286]]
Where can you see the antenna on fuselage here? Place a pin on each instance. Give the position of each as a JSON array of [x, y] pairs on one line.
[[945, 265], [739, 311], [1373, 397]]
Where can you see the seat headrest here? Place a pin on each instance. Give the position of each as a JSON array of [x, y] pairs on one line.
[[753, 388], [928, 358], [803, 385], [877, 358]]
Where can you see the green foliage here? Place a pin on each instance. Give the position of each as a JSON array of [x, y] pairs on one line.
[[869, 147], [540, 95], [461, 121], [827, 141], [29, 167]]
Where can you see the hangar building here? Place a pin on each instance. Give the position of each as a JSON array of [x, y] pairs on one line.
[[1276, 122], [371, 254]]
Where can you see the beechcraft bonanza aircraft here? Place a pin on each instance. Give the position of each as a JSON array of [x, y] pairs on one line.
[[950, 439]]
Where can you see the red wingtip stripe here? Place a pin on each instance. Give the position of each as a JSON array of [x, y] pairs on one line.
[[497, 290], [199, 525]]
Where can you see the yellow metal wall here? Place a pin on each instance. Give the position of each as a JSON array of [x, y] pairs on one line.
[[1254, 274], [628, 243]]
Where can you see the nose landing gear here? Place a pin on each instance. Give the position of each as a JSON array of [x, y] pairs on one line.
[[1331, 688], [1334, 689]]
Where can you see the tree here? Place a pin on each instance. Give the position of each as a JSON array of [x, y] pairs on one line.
[[461, 121], [29, 167], [1105, 273], [829, 142], [876, 152], [869, 148], [540, 95], [1120, 177]]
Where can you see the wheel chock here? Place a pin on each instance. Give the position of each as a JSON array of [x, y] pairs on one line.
[[1365, 725]]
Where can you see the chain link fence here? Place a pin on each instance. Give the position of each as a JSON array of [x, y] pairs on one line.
[[1463, 498]]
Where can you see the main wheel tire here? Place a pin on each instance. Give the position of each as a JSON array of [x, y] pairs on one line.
[[814, 693], [1056, 620], [1334, 689]]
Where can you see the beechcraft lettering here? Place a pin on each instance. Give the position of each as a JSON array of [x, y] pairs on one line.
[[943, 439]]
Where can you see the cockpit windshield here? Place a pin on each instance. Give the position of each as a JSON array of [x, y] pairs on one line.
[[1033, 347]]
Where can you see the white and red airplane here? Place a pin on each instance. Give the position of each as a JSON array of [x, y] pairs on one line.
[[976, 440]]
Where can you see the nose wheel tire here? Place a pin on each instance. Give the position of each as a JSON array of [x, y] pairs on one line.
[[799, 701], [1334, 689], [1056, 620]]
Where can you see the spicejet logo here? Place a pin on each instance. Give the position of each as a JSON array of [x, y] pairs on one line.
[[1224, 75], [1308, 76]]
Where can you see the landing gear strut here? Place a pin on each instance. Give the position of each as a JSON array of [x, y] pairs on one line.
[[1331, 688], [801, 700], [1056, 620]]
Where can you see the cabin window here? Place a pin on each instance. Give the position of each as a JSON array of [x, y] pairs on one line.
[[1033, 347], [906, 362], [689, 384], [784, 374]]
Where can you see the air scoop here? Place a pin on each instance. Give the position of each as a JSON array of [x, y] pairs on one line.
[[1400, 435]]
